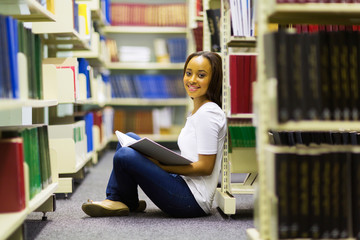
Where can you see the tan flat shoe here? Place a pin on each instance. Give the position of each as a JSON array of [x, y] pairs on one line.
[[105, 208], [141, 207]]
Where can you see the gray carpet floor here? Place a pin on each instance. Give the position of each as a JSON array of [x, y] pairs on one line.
[[69, 222]]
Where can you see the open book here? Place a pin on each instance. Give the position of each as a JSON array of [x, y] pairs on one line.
[[152, 149]]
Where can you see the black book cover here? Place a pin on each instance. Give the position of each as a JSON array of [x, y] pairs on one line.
[[282, 193], [354, 73], [335, 195], [326, 183], [213, 16], [336, 99], [345, 195], [314, 85], [355, 189], [276, 67], [325, 80], [304, 195], [296, 77], [293, 191], [344, 74], [315, 213]]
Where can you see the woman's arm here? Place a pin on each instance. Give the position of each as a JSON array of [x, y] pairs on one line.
[[203, 167]]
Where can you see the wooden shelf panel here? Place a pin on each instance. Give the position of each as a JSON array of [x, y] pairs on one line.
[[9, 222], [319, 13], [242, 116], [35, 12], [67, 38], [144, 29], [241, 42], [317, 126], [144, 66], [17, 103], [41, 197], [148, 102]]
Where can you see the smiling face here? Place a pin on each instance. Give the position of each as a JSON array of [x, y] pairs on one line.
[[197, 78]]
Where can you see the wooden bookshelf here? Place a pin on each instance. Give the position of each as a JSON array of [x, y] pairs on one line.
[[26, 11], [9, 222], [144, 66], [18, 103], [242, 42], [148, 102], [239, 159], [144, 30], [61, 32], [309, 13]]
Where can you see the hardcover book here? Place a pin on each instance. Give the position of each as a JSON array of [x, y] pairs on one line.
[[152, 149]]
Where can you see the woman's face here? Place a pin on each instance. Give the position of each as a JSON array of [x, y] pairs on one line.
[[197, 77]]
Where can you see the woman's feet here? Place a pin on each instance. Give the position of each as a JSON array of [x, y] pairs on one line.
[[108, 208]]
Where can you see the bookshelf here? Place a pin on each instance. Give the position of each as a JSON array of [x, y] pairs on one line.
[[235, 159], [62, 31], [143, 33], [267, 214], [27, 11], [26, 112], [144, 29], [144, 66], [148, 102]]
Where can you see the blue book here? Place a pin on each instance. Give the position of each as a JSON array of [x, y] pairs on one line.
[[12, 37], [84, 68], [89, 123], [6, 91]]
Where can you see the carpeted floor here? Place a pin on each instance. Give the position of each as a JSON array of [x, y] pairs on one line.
[[69, 222]]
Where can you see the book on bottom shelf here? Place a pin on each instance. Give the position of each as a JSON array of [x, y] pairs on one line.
[[12, 182], [315, 192]]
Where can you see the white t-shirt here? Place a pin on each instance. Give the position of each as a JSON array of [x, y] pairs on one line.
[[204, 133]]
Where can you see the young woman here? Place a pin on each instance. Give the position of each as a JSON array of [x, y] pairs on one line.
[[178, 190]]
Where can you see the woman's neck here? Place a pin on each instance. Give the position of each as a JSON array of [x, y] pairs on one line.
[[198, 103]]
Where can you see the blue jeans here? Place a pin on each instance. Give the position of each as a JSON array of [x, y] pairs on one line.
[[167, 191]]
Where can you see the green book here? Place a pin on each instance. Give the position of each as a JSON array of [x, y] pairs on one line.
[[36, 159], [38, 66], [42, 158]]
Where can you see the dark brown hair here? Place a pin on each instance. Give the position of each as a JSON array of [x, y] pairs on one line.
[[215, 87]]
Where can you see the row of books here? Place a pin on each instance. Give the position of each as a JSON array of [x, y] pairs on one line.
[[300, 28], [242, 135], [170, 50], [317, 74], [243, 17], [292, 138], [147, 86], [242, 70], [148, 14], [19, 39], [317, 193], [19, 146], [144, 121]]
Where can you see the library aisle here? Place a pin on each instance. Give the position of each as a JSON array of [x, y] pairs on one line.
[[69, 222]]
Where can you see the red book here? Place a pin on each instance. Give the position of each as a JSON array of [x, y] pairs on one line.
[[12, 184], [252, 80], [233, 84], [245, 96]]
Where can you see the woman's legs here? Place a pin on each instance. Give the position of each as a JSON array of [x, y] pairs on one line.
[[168, 191]]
